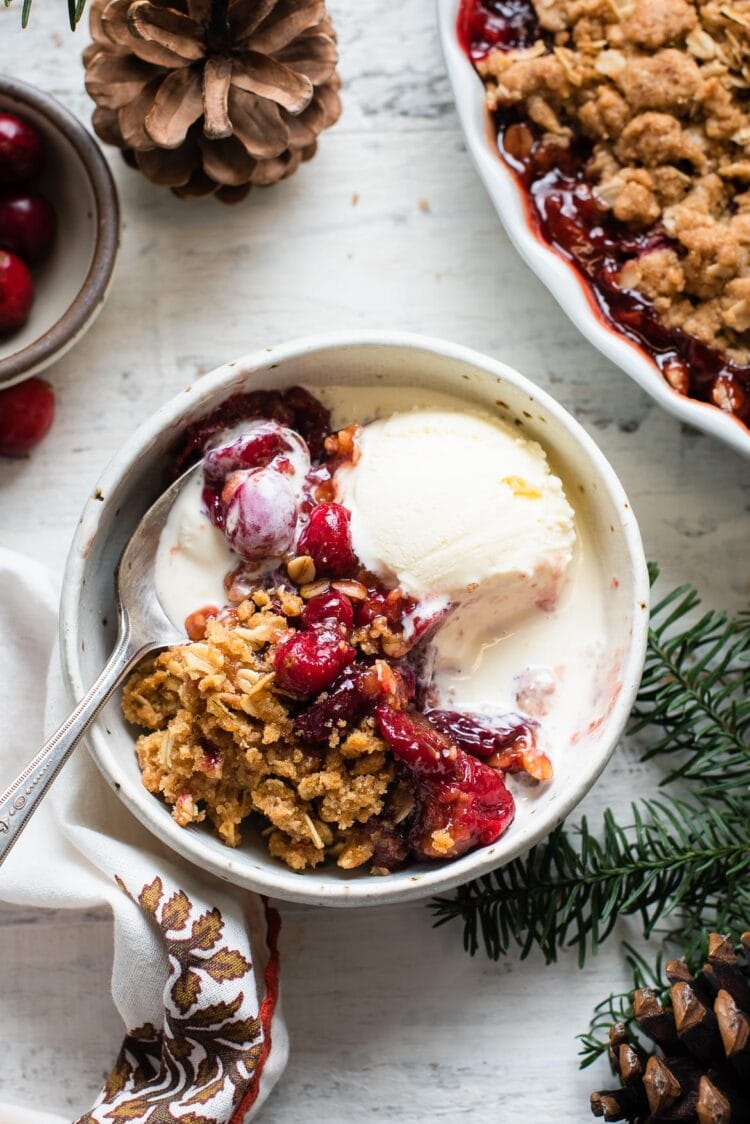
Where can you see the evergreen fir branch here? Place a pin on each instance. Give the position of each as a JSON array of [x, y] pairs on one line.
[[675, 860], [696, 691], [75, 10]]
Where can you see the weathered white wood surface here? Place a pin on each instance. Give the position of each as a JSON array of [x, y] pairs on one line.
[[387, 227]]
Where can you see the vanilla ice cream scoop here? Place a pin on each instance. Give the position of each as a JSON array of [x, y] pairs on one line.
[[452, 504]]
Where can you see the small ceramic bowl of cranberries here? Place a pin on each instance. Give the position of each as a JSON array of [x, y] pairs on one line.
[[59, 235]]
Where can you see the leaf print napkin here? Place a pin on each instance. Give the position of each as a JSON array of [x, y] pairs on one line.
[[196, 965]]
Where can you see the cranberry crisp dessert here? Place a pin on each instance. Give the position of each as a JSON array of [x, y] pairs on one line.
[[304, 696], [628, 123]]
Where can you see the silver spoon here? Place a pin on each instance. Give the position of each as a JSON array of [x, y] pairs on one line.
[[143, 627]]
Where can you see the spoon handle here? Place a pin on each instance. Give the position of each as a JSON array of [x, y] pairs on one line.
[[19, 802]]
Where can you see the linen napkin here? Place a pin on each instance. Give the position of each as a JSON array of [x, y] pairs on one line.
[[196, 967]]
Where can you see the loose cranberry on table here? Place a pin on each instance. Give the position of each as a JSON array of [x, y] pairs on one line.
[[26, 413], [21, 150], [16, 292], [328, 541], [28, 224]]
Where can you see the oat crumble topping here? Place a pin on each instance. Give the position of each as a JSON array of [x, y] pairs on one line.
[[660, 89], [223, 745]]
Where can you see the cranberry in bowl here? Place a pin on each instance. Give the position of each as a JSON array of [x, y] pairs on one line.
[[59, 230], [379, 571]]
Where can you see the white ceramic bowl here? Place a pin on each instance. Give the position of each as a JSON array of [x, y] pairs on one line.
[[136, 476], [559, 275], [72, 284]]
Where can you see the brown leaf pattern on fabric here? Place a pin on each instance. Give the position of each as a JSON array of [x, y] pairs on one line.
[[176, 912], [206, 930], [151, 895], [197, 1068]]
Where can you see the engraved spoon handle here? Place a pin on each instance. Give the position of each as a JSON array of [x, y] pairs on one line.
[[19, 802]]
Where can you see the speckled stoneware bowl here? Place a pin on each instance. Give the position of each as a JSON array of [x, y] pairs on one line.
[[136, 476], [560, 276], [72, 284]]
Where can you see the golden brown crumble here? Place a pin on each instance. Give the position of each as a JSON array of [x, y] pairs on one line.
[[222, 745], [660, 87]]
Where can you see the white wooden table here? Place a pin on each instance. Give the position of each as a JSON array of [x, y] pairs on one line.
[[387, 227]]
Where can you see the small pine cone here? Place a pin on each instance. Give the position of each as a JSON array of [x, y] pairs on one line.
[[212, 96], [699, 1069]]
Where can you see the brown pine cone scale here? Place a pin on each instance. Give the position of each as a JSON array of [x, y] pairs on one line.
[[699, 1070], [212, 95]]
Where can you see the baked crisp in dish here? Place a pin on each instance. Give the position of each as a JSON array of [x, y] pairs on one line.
[[629, 123]]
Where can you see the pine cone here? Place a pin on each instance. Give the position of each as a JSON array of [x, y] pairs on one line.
[[212, 95], [700, 1072]]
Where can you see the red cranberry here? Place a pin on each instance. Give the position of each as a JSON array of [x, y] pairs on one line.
[[308, 662], [355, 692], [330, 608], [254, 449], [457, 796], [374, 605], [21, 150], [16, 292], [479, 735], [295, 408], [26, 413], [508, 742], [27, 224], [344, 702], [504, 23], [260, 514], [393, 605], [474, 808], [328, 541], [416, 742]]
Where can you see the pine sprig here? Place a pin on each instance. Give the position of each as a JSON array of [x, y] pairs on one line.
[[686, 862], [75, 11], [696, 690], [571, 889]]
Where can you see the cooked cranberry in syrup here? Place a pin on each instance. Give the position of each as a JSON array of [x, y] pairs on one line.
[[459, 800], [565, 212]]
